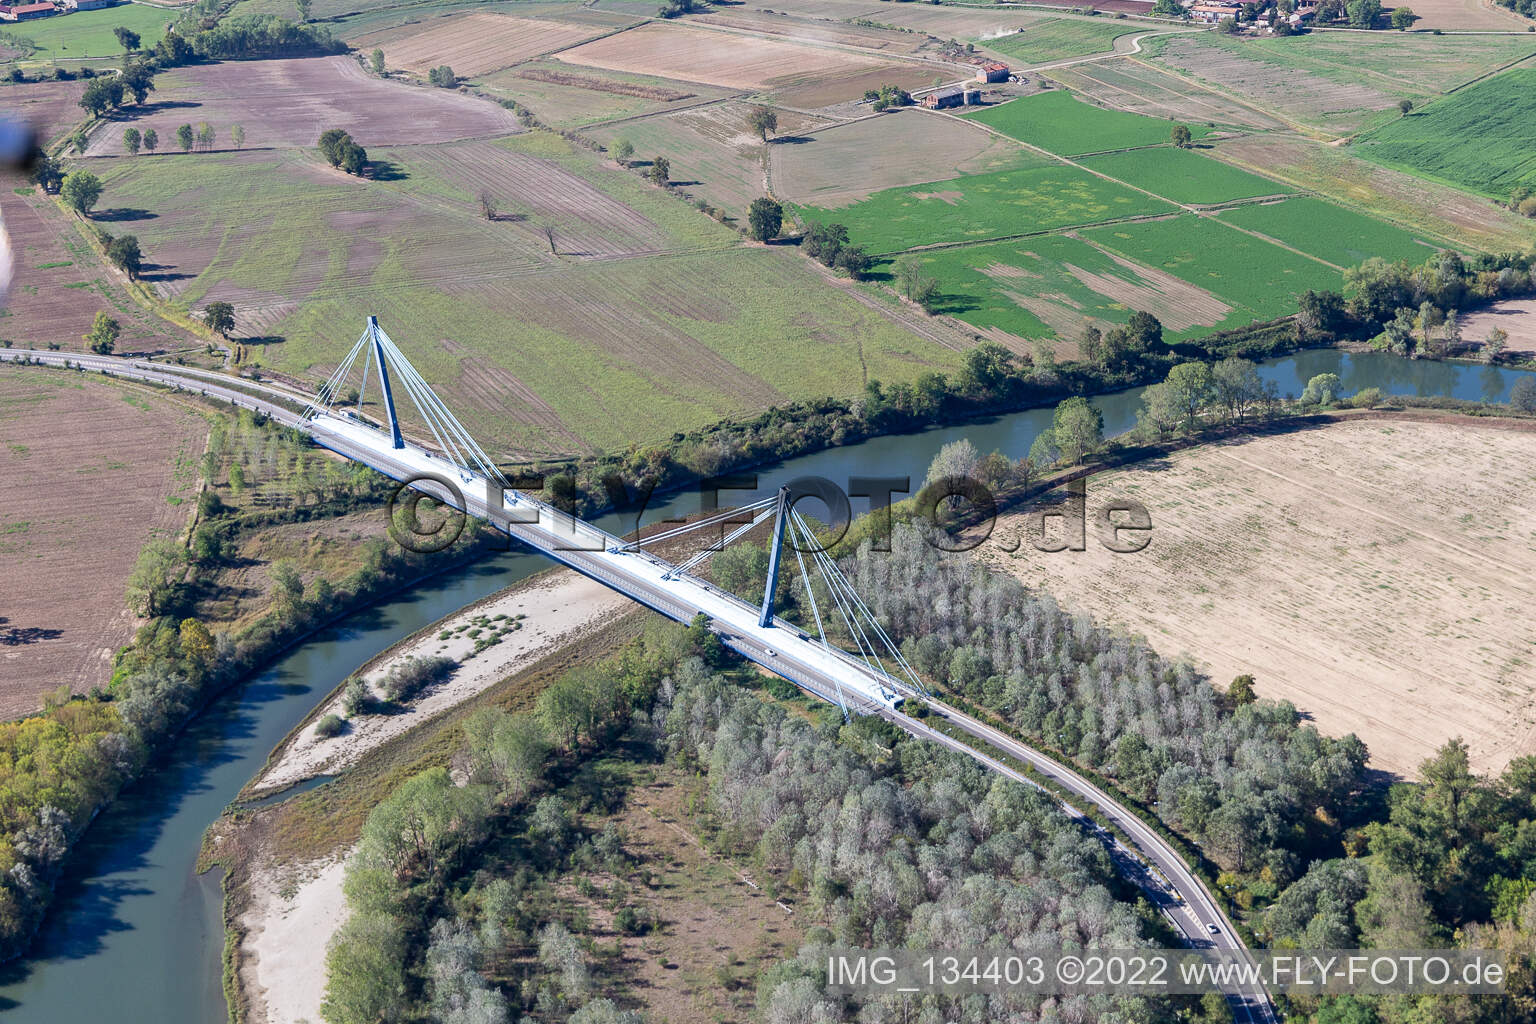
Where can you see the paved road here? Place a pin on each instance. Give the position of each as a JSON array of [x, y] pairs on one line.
[[826, 672]]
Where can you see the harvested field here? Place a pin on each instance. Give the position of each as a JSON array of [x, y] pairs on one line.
[[1055, 285], [715, 58], [1139, 88], [1339, 81], [1516, 317], [476, 43], [1183, 175], [564, 96], [843, 164], [947, 22], [1296, 93], [1062, 123], [60, 284], [51, 108], [849, 86], [1032, 196], [89, 471], [1239, 268], [714, 154], [1467, 14], [287, 103], [612, 350], [812, 30], [1374, 572], [1479, 139], [1342, 237], [1060, 38], [1445, 212]]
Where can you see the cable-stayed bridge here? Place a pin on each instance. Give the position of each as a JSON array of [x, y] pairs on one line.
[[872, 679]]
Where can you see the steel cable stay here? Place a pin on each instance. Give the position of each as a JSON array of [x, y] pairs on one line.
[[722, 516], [699, 556], [838, 583], [821, 630]]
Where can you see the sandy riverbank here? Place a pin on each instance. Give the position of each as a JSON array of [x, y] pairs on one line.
[[558, 608], [290, 916]]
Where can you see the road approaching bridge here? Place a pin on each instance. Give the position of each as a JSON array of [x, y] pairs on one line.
[[781, 647]]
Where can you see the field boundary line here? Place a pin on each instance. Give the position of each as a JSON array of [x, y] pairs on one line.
[[1059, 158], [1328, 198], [1156, 71], [1266, 111], [1367, 132], [1041, 233], [662, 113]]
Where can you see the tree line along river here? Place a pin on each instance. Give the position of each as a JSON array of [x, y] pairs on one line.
[[135, 937]]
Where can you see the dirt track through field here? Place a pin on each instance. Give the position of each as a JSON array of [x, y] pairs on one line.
[[1376, 573]]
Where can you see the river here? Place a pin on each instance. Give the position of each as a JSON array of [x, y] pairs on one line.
[[134, 937]]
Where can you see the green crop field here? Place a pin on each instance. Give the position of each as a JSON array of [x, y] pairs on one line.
[[89, 33], [672, 327], [1184, 176], [976, 207], [1330, 232], [1054, 285], [1060, 122], [1058, 38], [1206, 253], [1478, 139]]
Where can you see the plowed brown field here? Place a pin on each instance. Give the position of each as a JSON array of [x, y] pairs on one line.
[[88, 473]]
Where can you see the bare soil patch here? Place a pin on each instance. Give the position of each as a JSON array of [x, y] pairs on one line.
[[1517, 318], [89, 472], [476, 43], [715, 58], [843, 164], [1375, 572], [1178, 304], [288, 103]]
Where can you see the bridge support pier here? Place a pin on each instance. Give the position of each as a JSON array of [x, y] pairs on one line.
[[780, 514], [396, 440]]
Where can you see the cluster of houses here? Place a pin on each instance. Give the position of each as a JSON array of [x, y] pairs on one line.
[[1212, 11], [964, 95], [30, 12]]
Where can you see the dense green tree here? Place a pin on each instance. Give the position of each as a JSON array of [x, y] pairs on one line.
[[80, 191], [132, 140], [219, 316], [185, 137], [1193, 388], [376, 60], [126, 38], [151, 140], [159, 566], [102, 338], [1181, 136], [661, 169], [623, 152], [765, 217], [124, 254]]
